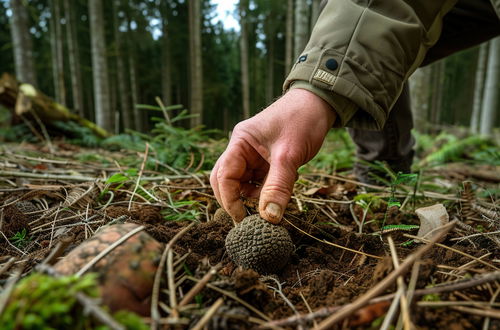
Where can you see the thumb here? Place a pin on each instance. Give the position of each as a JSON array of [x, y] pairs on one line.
[[276, 191]]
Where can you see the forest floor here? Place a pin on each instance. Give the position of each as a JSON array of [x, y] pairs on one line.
[[339, 258]]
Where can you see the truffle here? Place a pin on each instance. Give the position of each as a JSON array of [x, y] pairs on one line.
[[259, 245]]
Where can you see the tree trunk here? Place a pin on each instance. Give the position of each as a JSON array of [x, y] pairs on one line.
[[270, 59], [490, 103], [314, 13], [166, 70], [437, 91], [245, 82], [419, 89], [22, 43], [138, 118], [123, 91], [195, 65], [482, 60], [74, 60], [56, 42], [301, 26], [289, 37], [103, 113]]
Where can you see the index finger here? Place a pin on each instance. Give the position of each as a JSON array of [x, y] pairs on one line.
[[231, 168]]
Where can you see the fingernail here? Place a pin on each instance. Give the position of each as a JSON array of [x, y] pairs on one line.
[[273, 210]]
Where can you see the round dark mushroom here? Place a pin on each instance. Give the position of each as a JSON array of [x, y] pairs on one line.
[[222, 216], [259, 245]]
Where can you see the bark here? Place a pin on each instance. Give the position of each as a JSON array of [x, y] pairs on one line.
[[490, 103], [245, 81], [22, 43], [104, 115], [195, 64], [56, 42], [289, 37], [123, 92], [301, 27], [419, 89], [74, 60], [482, 60]]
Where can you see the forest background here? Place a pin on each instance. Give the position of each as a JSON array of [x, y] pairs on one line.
[[103, 58]]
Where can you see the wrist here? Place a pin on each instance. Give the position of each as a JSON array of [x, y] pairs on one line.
[[314, 104]]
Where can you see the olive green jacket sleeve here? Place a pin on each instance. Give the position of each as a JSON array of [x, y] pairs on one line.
[[362, 51]]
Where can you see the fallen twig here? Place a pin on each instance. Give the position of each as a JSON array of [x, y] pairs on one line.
[[209, 314], [385, 283], [488, 312], [452, 249], [199, 286], [475, 281], [141, 171], [401, 286], [332, 244], [155, 314]]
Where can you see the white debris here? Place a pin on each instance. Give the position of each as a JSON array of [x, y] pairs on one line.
[[431, 218]]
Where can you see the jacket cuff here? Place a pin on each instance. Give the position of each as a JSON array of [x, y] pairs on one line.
[[343, 107], [355, 107]]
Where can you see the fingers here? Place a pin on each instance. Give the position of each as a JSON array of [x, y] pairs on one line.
[[277, 190], [225, 180]]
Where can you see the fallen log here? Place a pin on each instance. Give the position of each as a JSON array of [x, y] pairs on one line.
[[23, 99]]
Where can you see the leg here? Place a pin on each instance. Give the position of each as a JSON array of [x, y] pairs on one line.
[[393, 144]]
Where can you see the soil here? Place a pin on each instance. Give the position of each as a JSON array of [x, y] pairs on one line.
[[318, 275]]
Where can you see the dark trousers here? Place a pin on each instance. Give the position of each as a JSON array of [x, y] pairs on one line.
[[469, 23]]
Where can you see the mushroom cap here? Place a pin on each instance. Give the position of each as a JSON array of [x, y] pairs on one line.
[[222, 216], [259, 245]]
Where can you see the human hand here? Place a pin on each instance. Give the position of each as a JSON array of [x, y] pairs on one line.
[[269, 148]]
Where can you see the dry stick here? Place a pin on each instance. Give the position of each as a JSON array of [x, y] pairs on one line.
[[57, 251], [389, 316], [15, 247], [427, 194], [333, 244], [110, 248], [488, 312], [401, 286], [9, 287], [199, 286], [452, 249], [171, 284], [478, 280], [91, 307], [155, 314], [139, 176], [235, 298], [486, 322], [48, 176], [209, 314], [457, 303], [413, 283], [347, 310], [7, 265]]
